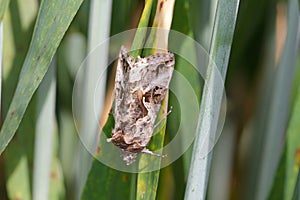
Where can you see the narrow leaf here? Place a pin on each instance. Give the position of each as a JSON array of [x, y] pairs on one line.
[[52, 22], [104, 182], [3, 7], [111, 179], [141, 32], [278, 114], [19, 155], [297, 189], [44, 135], [212, 95], [147, 183], [97, 60], [1, 66]]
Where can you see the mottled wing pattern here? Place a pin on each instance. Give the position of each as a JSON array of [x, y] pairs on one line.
[[121, 84], [152, 76], [140, 88]]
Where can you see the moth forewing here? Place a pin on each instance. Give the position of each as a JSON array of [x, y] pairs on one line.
[[140, 88]]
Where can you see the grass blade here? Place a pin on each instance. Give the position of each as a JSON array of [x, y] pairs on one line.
[[253, 135], [70, 55], [122, 182], [52, 22], [113, 184], [44, 135], [99, 28], [286, 177], [288, 170], [201, 16], [293, 151], [147, 183], [19, 155], [3, 7], [279, 106], [140, 35], [297, 188], [18, 180], [219, 51], [1, 55]]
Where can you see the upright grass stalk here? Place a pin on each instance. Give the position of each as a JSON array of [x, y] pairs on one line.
[[1, 55], [158, 41], [140, 35], [279, 109], [19, 155], [202, 15], [257, 127], [124, 183], [44, 136], [52, 22], [212, 95], [3, 7], [137, 47], [99, 29], [290, 175], [296, 195]]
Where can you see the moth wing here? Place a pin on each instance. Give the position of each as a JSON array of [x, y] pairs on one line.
[[153, 80], [156, 77], [154, 70], [125, 63]]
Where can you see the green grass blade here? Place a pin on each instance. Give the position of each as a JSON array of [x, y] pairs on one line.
[[279, 180], [180, 167], [297, 189], [19, 155], [253, 136], [201, 16], [18, 183], [287, 172], [285, 182], [44, 135], [222, 162], [104, 182], [147, 183], [122, 182], [52, 22], [97, 168], [99, 29], [279, 107], [219, 51], [3, 7], [137, 47], [70, 55], [57, 187], [140, 35], [1, 65], [182, 112], [293, 151]]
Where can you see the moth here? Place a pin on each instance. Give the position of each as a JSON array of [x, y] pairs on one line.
[[140, 87]]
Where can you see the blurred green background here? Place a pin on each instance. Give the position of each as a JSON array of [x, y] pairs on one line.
[[256, 44]]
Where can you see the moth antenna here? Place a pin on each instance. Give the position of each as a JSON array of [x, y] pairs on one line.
[[161, 120]]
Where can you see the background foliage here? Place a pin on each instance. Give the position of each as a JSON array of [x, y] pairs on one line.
[[256, 47]]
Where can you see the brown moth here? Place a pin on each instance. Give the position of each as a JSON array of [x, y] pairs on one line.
[[140, 87]]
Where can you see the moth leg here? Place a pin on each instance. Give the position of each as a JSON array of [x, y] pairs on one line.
[[147, 151], [109, 139], [161, 120]]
